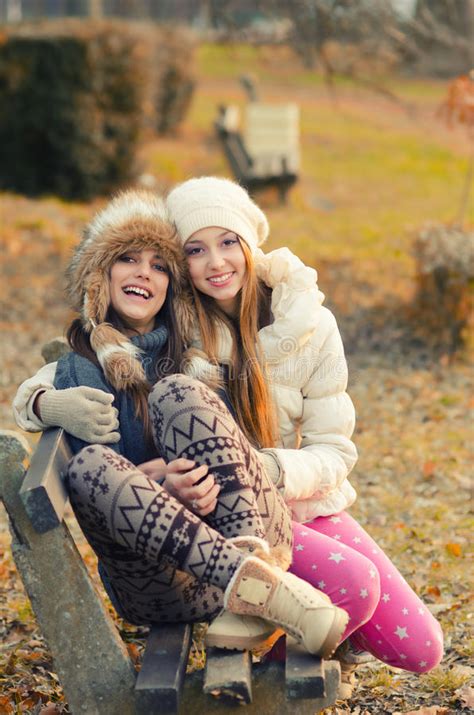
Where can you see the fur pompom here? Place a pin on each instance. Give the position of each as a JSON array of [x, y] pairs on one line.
[[117, 356], [123, 371]]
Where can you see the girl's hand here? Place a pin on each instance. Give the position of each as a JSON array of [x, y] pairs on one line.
[[154, 469], [193, 487], [85, 412]]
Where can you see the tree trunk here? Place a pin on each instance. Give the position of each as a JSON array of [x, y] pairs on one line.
[[96, 9], [14, 11]]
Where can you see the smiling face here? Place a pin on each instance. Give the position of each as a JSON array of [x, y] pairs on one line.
[[138, 284], [217, 265]]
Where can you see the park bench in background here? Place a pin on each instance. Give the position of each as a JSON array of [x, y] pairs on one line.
[[267, 152], [90, 658]]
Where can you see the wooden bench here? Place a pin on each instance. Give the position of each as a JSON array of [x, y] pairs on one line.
[[90, 658], [267, 154]]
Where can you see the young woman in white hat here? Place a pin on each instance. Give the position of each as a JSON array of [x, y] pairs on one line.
[[265, 331]]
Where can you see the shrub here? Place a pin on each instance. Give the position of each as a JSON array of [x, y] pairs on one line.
[[75, 97], [445, 279], [444, 255]]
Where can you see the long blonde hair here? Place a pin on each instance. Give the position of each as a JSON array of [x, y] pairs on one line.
[[247, 387]]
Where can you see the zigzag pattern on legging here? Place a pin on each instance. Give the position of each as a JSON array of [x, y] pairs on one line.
[[205, 554], [191, 429], [171, 595], [127, 534]]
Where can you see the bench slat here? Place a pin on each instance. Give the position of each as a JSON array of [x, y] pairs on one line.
[[160, 680], [228, 674], [304, 672], [43, 493]]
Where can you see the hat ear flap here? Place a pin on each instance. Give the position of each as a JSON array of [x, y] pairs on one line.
[[185, 313], [97, 300]]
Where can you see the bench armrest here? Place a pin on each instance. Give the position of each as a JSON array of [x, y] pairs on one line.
[[43, 493]]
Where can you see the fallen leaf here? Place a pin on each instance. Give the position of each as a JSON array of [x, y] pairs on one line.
[[50, 709], [430, 710], [5, 705], [428, 469], [454, 549], [435, 608], [466, 696], [133, 652]]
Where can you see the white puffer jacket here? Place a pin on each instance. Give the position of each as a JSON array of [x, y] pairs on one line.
[[308, 371]]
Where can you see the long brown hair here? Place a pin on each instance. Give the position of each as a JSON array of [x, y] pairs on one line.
[[168, 362], [247, 387]]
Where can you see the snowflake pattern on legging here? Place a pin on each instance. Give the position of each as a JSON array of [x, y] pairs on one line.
[[161, 561]]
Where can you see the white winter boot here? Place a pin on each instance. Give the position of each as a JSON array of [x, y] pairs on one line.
[[260, 589], [238, 632]]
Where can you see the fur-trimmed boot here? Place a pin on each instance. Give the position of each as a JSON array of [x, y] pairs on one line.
[[350, 657], [260, 589], [348, 681], [238, 632]]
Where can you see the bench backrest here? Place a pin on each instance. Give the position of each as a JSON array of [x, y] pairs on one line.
[[272, 130]]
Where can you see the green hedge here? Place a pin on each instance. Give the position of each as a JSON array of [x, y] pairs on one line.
[[75, 97]]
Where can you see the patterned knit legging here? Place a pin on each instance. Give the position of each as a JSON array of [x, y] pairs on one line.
[[161, 562], [189, 420]]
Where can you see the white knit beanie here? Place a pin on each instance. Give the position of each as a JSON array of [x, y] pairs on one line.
[[211, 201]]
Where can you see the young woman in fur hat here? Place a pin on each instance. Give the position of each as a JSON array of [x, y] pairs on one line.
[[158, 559]]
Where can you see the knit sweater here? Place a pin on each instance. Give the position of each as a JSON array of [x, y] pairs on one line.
[[74, 370]]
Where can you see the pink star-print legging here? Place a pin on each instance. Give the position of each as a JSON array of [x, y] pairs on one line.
[[387, 618]]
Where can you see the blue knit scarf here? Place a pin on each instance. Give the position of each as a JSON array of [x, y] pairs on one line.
[[74, 370]]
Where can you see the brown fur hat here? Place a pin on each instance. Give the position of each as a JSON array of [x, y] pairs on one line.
[[132, 221]]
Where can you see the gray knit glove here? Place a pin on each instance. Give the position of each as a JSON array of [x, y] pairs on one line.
[[84, 412]]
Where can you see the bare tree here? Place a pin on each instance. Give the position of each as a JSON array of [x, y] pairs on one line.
[[446, 27], [374, 27], [14, 11]]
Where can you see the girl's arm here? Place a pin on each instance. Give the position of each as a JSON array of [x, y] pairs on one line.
[[326, 454], [24, 400]]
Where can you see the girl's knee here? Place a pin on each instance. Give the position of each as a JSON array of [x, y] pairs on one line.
[[89, 457], [171, 386], [92, 466], [429, 651]]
